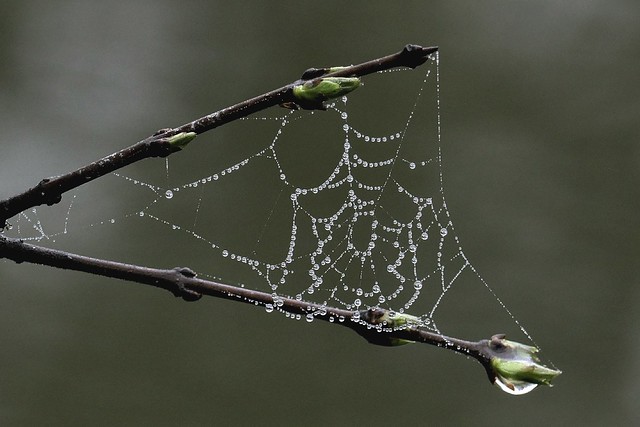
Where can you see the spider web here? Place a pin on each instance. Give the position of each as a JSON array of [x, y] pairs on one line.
[[343, 207]]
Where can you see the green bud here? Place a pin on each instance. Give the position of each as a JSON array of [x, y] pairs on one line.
[[323, 88], [395, 320], [395, 342], [180, 140], [516, 366], [389, 320]]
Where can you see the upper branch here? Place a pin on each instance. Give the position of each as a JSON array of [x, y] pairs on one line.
[[49, 191]]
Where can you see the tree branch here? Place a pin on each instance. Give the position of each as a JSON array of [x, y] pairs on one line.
[[182, 282], [515, 367], [49, 191], [512, 365]]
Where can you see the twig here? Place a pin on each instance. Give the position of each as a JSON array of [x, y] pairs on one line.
[[514, 366], [49, 191], [510, 364], [182, 282]]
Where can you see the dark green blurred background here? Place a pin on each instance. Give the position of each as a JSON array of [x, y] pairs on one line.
[[541, 159]]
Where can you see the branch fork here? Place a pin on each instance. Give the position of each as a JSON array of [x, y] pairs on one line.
[[513, 366]]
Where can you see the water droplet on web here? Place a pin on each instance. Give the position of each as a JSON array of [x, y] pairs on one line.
[[344, 116], [268, 308], [412, 165], [309, 317], [168, 194], [443, 232], [417, 285]]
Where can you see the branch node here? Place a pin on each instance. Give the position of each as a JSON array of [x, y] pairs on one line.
[[160, 146], [181, 290], [385, 322]]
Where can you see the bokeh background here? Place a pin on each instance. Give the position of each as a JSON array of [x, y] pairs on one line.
[[540, 105]]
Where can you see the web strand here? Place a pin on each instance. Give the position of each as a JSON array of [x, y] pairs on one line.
[[349, 206]]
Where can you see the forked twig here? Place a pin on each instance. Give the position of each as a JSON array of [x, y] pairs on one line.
[[511, 365]]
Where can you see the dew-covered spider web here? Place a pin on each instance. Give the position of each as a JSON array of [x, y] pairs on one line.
[[343, 207]]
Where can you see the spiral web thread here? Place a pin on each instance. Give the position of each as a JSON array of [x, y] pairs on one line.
[[360, 222]]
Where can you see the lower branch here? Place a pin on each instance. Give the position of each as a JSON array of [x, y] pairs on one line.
[[507, 363]]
